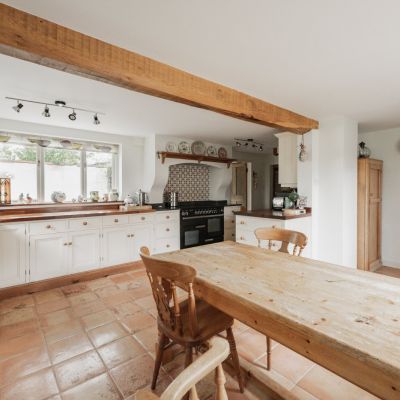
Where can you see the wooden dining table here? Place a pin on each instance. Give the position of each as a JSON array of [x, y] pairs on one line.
[[344, 319]]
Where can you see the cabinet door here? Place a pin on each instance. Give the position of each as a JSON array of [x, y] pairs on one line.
[[12, 259], [48, 256], [142, 236], [116, 246], [84, 250]]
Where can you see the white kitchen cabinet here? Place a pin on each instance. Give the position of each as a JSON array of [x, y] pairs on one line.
[[229, 222], [12, 255], [48, 256], [288, 155], [141, 235], [84, 250], [166, 232], [116, 246]]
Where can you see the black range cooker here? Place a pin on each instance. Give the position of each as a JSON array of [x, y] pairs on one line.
[[202, 222]]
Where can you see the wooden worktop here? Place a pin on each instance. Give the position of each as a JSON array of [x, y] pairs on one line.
[[344, 319], [268, 213]]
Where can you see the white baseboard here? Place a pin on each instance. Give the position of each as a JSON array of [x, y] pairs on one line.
[[393, 264]]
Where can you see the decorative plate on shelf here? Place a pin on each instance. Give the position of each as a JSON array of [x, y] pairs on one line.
[[212, 151], [170, 147], [198, 148], [184, 147], [222, 153]]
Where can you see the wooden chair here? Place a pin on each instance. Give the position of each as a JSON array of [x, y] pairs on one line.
[[285, 237], [190, 322], [211, 360]]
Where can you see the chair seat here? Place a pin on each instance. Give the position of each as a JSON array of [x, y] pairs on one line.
[[210, 321]]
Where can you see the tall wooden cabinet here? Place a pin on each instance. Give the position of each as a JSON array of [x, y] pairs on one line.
[[369, 214]]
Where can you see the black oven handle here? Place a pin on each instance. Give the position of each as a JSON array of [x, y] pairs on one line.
[[203, 216], [200, 226]]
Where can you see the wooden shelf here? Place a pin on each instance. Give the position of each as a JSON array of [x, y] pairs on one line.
[[193, 157]]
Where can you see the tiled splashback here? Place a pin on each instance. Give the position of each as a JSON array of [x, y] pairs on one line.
[[192, 182]]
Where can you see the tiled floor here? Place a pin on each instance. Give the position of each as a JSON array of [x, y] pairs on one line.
[[95, 340]]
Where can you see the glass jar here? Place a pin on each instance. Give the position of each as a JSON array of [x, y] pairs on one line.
[[363, 151]]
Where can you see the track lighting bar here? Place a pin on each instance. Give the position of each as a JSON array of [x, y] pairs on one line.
[[249, 144], [58, 103]]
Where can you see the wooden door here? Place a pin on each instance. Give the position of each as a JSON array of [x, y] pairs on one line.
[[84, 250], [48, 256], [375, 215], [12, 251]]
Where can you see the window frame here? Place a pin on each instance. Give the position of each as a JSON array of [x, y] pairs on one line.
[[40, 175]]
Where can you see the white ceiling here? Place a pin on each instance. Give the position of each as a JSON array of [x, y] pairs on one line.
[[318, 58]]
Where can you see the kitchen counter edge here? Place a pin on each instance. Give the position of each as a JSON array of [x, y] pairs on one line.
[[271, 214]]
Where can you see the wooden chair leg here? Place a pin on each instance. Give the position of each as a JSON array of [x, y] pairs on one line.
[[268, 353], [192, 394], [235, 358], [220, 384], [159, 355]]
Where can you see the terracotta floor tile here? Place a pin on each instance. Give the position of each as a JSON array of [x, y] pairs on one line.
[[288, 363], [70, 347], [55, 318], [117, 298], [20, 315], [38, 386], [88, 308], [82, 298], [100, 283], [48, 295], [301, 394], [251, 345], [120, 351], [140, 292], [107, 291], [76, 288], [16, 303], [146, 302], [107, 333], [100, 387], [139, 321], [239, 327], [92, 321], [122, 278], [62, 331], [124, 309], [325, 385], [148, 337], [23, 364], [272, 374], [134, 374], [51, 306], [20, 344], [18, 329], [78, 370]]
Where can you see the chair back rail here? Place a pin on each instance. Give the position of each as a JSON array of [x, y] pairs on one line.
[[285, 236]]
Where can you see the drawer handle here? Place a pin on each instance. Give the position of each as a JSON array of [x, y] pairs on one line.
[[143, 218], [66, 244], [167, 229], [116, 220], [167, 217], [128, 235], [48, 226], [70, 244], [233, 221], [84, 223], [241, 222], [233, 234], [168, 246], [241, 238]]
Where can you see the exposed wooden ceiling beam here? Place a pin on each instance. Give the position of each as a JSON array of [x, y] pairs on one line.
[[31, 38]]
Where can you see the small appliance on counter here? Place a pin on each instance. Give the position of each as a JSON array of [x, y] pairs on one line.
[[278, 203]]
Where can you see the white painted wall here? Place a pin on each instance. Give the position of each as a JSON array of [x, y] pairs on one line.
[[329, 178], [385, 145], [131, 148]]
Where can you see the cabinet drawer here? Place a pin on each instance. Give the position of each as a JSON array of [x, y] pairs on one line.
[[49, 226], [141, 218], [229, 223], [165, 245], [252, 223], [246, 237], [162, 216], [229, 235], [166, 230], [115, 220], [84, 223]]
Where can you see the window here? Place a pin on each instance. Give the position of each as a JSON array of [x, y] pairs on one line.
[[20, 162], [39, 167]]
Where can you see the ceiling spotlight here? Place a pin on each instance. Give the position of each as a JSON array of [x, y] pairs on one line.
[[261, 148], [72, 116], [46, 112], [18, 107], [96, 120], [60, 103]]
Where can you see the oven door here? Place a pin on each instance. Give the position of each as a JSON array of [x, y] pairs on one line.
[[215, 227], [193, 232]]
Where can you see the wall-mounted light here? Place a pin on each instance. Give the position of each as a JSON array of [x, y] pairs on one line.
[[18, 107], [46, 112]]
